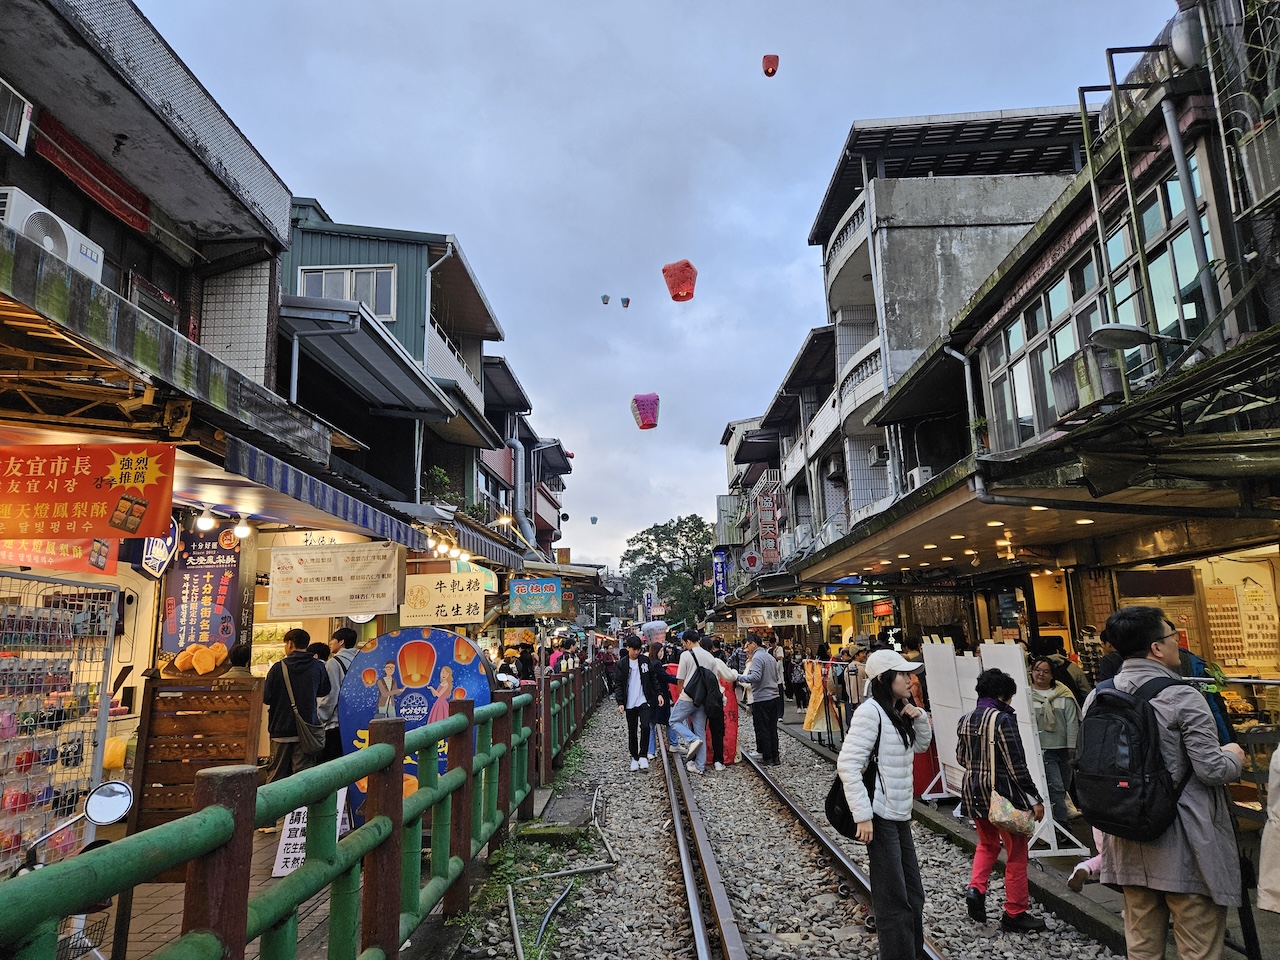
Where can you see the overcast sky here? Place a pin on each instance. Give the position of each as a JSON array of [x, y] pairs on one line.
[[575, 147]]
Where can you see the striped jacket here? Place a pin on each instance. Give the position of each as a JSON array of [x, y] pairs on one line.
[[1011, 776]]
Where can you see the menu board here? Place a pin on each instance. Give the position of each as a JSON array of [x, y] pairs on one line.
[[335, 580]]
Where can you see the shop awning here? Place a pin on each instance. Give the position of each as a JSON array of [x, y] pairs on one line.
[[268, 471], [577, 573], [352, 344]]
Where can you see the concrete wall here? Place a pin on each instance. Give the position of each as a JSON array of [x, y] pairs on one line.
[[937, 239]]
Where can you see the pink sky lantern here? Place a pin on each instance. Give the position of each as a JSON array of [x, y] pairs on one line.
[[644, 407], [680, 277], [626, 302], [770, 64]]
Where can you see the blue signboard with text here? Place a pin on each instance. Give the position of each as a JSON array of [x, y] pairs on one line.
[[538, 597]]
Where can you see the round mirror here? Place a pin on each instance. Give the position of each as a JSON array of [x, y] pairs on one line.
[[108, 802]]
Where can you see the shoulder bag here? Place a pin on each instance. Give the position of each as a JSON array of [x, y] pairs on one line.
[[310, 735], [1000, 810], [838, 813]]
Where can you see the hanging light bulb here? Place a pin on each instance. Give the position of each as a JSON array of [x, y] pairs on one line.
[[454, 553], [206, 521], [242, 528], [464, 557]]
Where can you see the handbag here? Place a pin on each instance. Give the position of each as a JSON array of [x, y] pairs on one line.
[[310, 735], [837, 805], [1001, 812]]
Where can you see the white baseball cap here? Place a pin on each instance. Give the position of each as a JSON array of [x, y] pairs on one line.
[[883, 661]]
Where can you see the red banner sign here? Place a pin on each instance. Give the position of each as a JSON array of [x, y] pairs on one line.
[[88, 172], [78, 556], [88, 491], [766, 510]]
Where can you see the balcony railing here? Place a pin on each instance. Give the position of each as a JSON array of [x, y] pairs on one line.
[[444, 361], [793, 463], [825, 422], [844, 234]]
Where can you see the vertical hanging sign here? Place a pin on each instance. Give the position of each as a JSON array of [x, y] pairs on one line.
[[720, 566], [202, 591], [766, 508]]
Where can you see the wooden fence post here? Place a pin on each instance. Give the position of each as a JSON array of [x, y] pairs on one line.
[[380, 900], [528, 715], [457, 899], [502, 735], [217, 888], [579, 706]]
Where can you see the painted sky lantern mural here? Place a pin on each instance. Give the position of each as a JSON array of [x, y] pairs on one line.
[[413, 674], [644, 407], [680, 277], [770, 64]]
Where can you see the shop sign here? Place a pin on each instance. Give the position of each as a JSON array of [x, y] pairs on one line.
[[788, 616], [335, 580], [659, 610], [77, 556], [720, 567], [751, 562], [882, 608], [569, 603], [766, 511], [539, 597], [436, 598], [158, 551], [563, 554], [515, 636], [86, 491], [202, 591]]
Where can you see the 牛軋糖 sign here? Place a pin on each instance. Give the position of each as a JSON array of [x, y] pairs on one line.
[[438, 598]]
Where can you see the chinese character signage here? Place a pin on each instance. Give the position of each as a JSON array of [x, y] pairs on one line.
[[539, 597], [78, 556], [720, 565], [335, 580], [435, 598], [789, 616], [569, 603], [766, 511], [202, 591], [563, 554], [86, 491]]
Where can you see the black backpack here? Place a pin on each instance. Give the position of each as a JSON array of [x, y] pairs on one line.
[[703, 687], [1123, 786]]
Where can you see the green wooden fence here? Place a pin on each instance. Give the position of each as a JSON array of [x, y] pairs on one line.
[[379, 890]]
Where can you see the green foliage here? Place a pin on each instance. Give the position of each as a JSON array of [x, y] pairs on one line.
[[436, 485], [676, 556], [478, 512]]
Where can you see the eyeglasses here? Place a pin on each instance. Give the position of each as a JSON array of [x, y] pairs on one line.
[[1170, 636]]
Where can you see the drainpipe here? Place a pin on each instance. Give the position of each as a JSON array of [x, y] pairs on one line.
[[352, 328], [517, 506], [968, 393], [448, 252], [1208, 283], [882, 329]]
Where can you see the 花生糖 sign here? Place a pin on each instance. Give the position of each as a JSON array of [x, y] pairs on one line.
[[538, 597], [437, 598], [86, 491]]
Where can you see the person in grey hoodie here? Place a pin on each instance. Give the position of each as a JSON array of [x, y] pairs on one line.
[[761, 676]]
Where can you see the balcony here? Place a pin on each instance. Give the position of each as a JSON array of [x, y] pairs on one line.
[[444, 362], [861, 385], [500, 462], [825, 423], [793, 463], [848, 261]]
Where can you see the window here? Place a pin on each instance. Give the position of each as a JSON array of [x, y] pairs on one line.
[[374, 286]]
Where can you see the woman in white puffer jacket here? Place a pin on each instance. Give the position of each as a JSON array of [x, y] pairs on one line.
[[889, 729]]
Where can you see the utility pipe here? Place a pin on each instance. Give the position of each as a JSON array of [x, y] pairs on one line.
[[352, 328], [882, 329], [448, 252], [968, 393]]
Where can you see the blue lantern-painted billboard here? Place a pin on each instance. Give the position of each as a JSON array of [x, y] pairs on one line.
[[413, 674]]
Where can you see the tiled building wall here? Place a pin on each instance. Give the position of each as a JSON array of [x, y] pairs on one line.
[[867, 483], [234, 321], [855, 328], [1096, 599]]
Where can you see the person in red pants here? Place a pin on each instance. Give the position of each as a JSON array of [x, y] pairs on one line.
[[993, 725]]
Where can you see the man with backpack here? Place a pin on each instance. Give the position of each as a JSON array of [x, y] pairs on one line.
[[698, 678], [1150, 774], [342, 650]]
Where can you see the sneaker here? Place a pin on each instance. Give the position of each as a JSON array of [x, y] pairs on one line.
[[719, 765], [1073, 812], [692, 767], [652, 756], [753, 754], [691, 750], [1079, 877], [635, 765], [644, 763], [1022, 923], [976, 903]]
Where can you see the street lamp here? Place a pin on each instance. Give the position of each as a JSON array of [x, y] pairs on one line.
[[507, 521], [1126, 336]]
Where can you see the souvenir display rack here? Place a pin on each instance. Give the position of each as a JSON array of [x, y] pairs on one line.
[[55, 653]]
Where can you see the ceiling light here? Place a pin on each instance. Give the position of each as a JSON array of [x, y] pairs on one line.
[[905, 569], [1002, 543], [931, 546], [206, 521], [885, 563], [995, 523], [431, 543], [1038, 507], [242, 528], [957, 536], [924, 563], [904, 556], [946, 558], [1084, 520], [867, 569], [454, 553], [970, 553], [1034, 574], [464, 557]]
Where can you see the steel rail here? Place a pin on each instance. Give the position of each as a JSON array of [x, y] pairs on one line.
[[829, 846], [701, 945]]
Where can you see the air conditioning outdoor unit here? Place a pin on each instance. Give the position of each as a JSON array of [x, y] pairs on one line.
[[878, 455], [1084, 381], [19, 212], [15, 118], [786, 543], [919, 477], [833, 467]]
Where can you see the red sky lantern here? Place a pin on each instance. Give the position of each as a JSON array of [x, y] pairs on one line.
[[417, 661], [369, 676], [644, 407], [680, 277], [770, 64]]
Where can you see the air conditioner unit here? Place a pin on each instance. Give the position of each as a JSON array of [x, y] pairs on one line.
[[19, 212], [878, 455], [786, 544], [1260, 161], [1084, 381], [919, 477], [15, 118], [833, 467]]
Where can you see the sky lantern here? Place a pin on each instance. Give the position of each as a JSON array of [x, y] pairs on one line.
[[417, 660], [369, 676], [770, 64], [593, 520], [644, 407], [464, 651], [680, 277], [626, 302], [604, 298]]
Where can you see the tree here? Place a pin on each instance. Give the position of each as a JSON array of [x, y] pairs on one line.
[[676, 557]]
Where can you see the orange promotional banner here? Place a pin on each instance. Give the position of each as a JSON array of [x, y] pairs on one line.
[[86, 491], [77, 556]]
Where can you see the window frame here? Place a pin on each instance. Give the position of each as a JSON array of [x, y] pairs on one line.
[[349, 282]]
